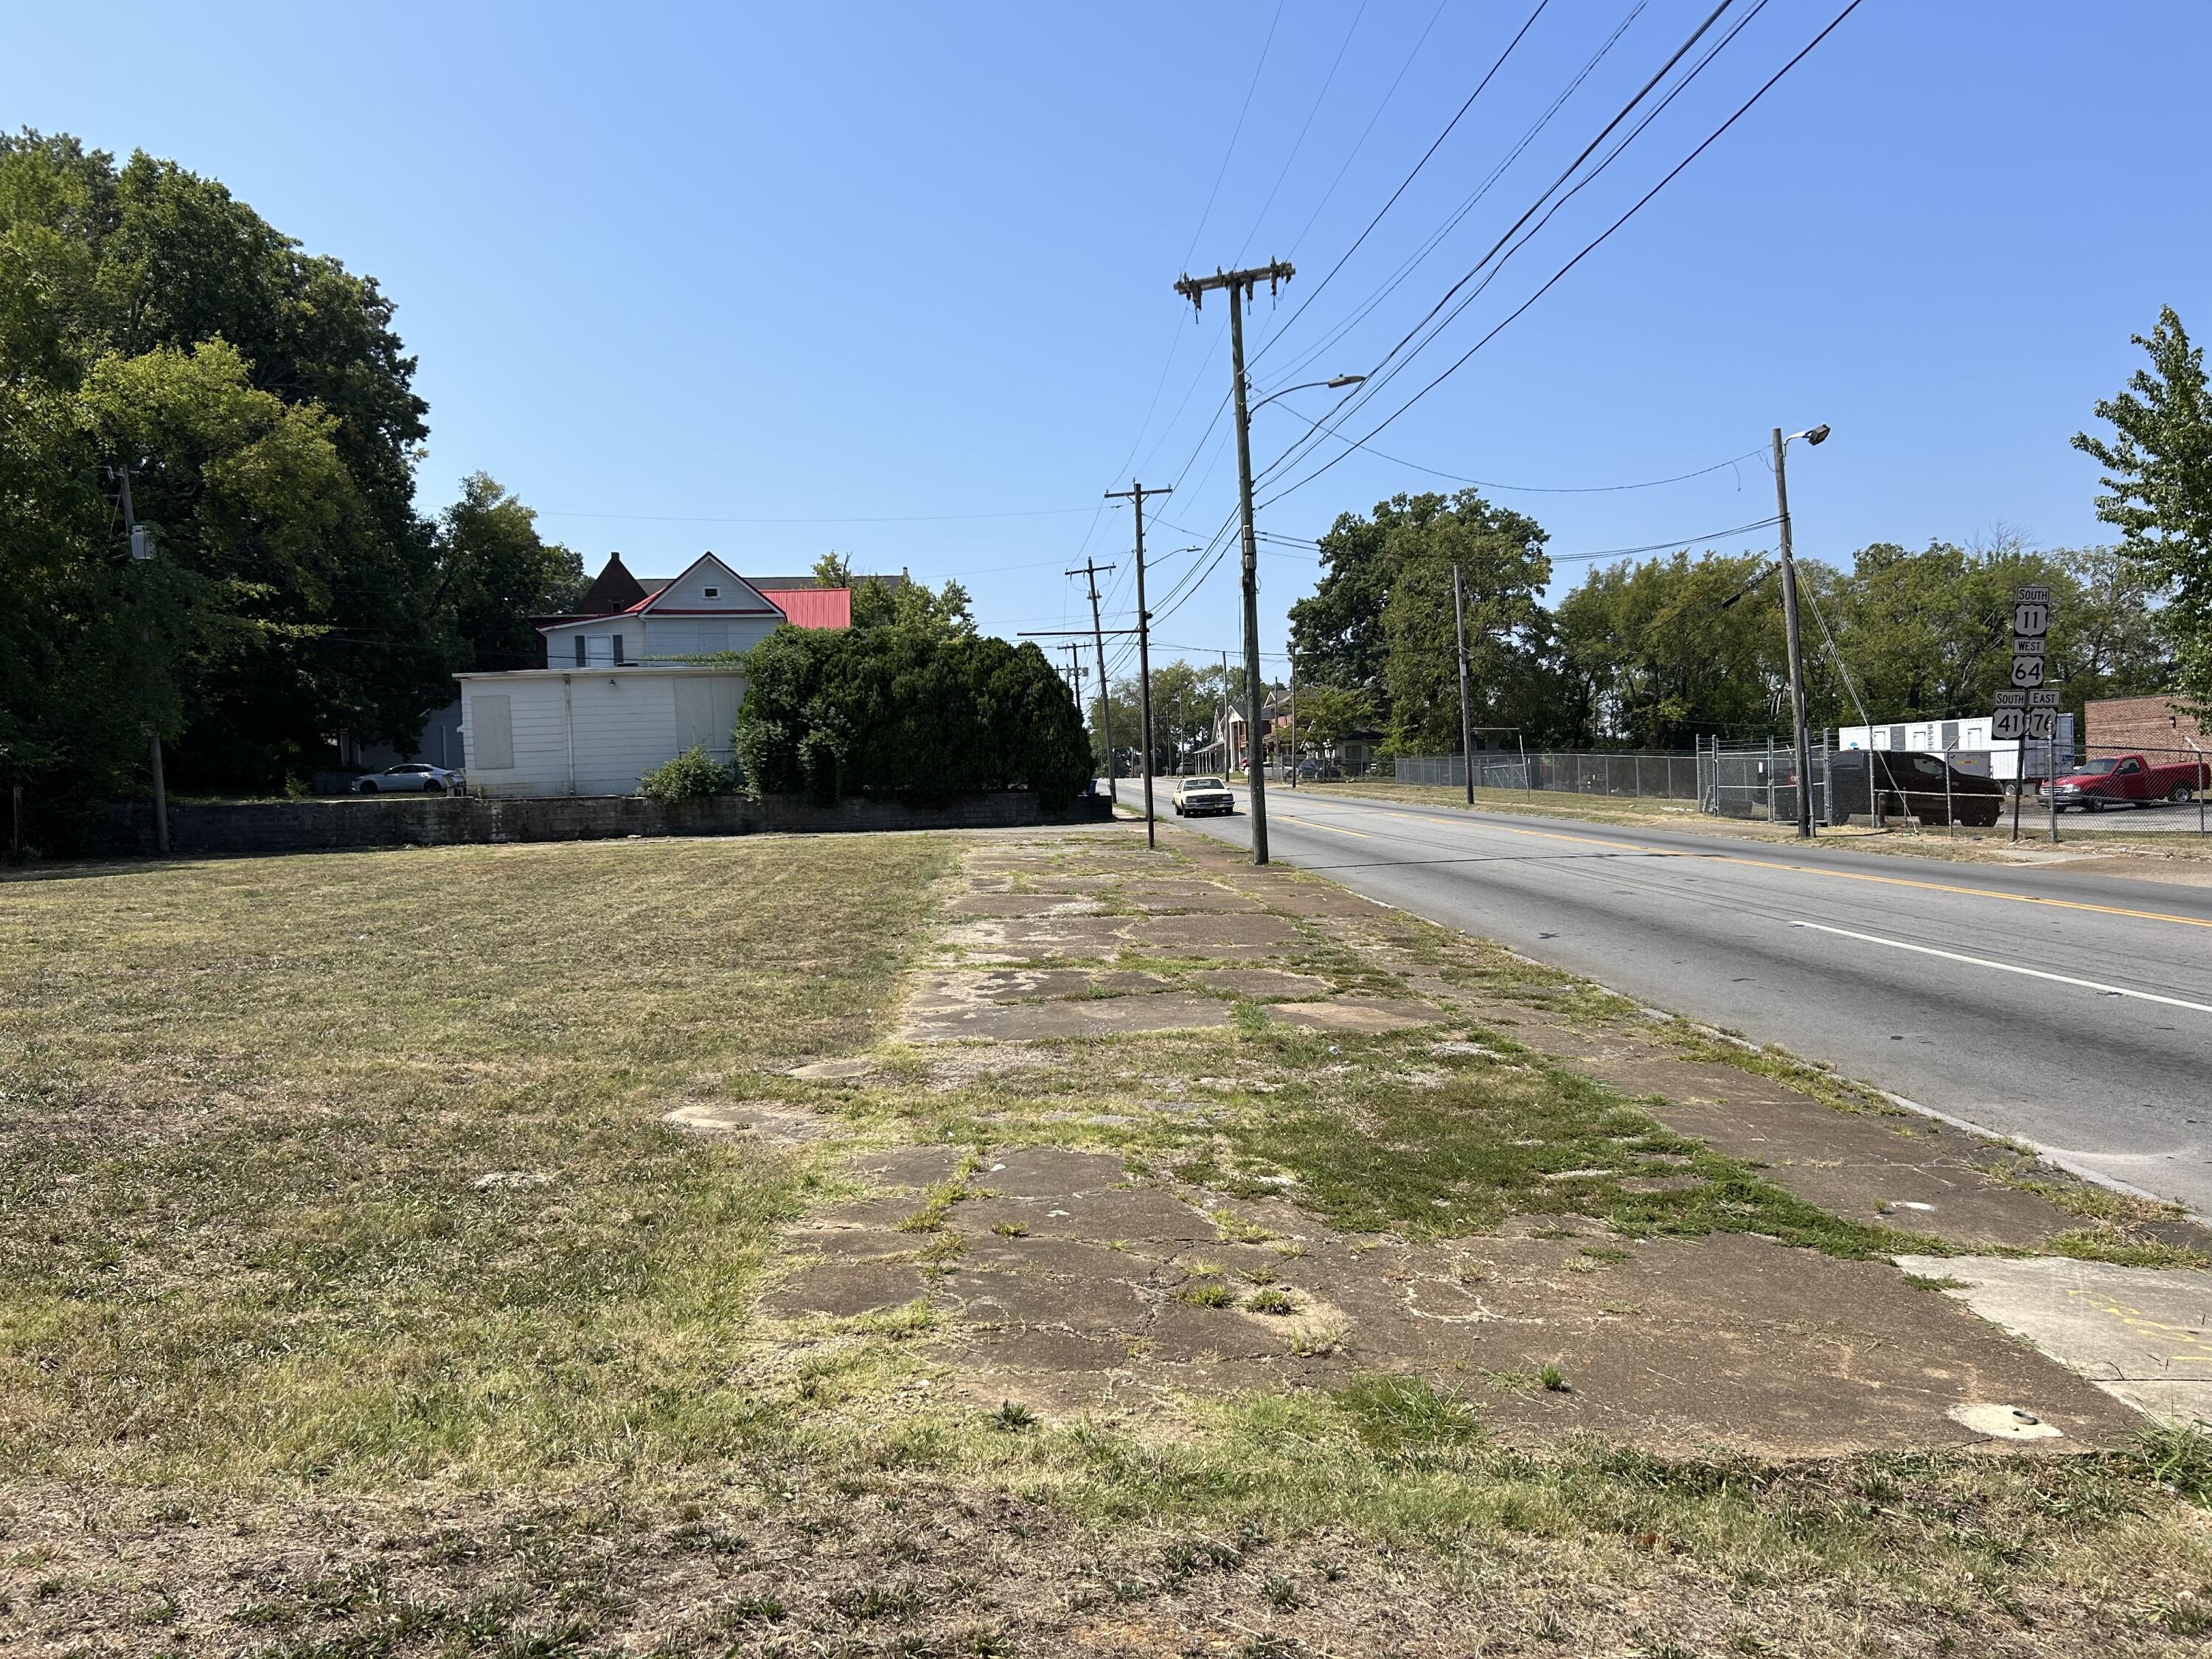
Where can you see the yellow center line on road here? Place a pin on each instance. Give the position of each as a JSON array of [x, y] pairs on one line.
[[1814, 870], [1315, 823]]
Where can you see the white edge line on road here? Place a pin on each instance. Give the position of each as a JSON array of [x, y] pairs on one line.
[[2066, 1161], [2008, 967]]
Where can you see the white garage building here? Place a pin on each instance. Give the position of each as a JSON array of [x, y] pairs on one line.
[[622, 691]]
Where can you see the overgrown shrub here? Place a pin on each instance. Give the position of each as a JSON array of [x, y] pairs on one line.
[[921, 714], [692, 775]]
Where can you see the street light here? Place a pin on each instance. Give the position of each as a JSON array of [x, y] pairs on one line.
[[1334, 384], [1817, 434]]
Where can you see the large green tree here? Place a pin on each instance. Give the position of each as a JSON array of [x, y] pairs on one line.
[[2158, 484], [264, 408], [1381, 619], [1676, 649], [495, 573]]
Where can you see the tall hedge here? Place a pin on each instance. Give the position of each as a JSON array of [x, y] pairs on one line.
[[922, 715]]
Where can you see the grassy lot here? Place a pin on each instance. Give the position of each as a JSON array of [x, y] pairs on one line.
[[352, 1167], [348, 1266]]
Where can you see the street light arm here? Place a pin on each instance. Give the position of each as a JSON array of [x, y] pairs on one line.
[[1332, 383]]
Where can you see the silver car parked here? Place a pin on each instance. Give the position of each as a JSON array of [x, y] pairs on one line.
[[415, 775]]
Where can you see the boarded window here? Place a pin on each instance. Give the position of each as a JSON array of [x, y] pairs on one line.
[[581, 649], [491, 721], [706, 712], [618, 650]]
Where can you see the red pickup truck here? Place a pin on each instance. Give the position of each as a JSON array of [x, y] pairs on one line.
[[2111, 779]]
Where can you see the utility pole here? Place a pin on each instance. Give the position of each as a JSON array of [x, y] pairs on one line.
[[1466, 718], [1105, 702], [1292, 659], [1796, 651], [1240, 285], [1225, 716], [1135, 494], [142, 548]]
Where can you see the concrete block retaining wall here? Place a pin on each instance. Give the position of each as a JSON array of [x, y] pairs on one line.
[[126, 830]]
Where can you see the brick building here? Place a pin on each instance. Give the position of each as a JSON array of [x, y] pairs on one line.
[[2145, 723]]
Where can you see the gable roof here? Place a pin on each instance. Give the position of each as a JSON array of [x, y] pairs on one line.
[[613, 589], [748, 599]]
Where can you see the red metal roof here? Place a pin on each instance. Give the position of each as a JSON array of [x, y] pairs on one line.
[[813, 607]]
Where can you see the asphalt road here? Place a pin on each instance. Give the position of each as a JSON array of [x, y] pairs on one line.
[[2071, 1011]]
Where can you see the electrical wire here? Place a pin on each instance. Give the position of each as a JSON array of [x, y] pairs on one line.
[[1384, 372], [1591, 247], [1435, 238], [1580, 185], [1407, 181], [1235, 133], [1540, 490], [894, 517], [1297, 143], [1390, 91]]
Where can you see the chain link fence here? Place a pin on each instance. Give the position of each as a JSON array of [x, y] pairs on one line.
[[1656, 777]]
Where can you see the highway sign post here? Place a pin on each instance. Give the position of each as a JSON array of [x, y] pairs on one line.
[[2028, 706]]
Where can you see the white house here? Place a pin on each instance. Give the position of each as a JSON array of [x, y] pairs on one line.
[[622, 689]]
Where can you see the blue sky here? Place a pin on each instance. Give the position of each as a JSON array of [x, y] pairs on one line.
[[896, 280]]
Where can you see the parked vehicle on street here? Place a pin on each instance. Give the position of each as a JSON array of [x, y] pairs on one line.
[[1195, 797], [2136, 779], [1912, 783], [415, 775]]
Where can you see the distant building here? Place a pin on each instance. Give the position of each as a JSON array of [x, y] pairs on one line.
[[2144, 723], [639, 672]]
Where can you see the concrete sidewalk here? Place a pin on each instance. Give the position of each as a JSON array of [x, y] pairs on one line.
[[1175, 1125]]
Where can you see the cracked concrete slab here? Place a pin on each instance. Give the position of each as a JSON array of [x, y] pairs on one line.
[[846, 1290], [1265, 984], [2143, 1334], [1051, 1172], [906, 1166], [1041, 939], [1897, 1170], [1037, 1022], [1193, 895], [1355, 1015], [762, 1123], [1035, 984], [1226, 937], [1022, 904]]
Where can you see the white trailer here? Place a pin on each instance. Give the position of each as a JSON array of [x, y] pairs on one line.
[[571, 731], [1970, 743]]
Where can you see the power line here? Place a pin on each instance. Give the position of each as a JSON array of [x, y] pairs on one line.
[[1405, 181], [1435, 238], [1389, 93], [891, 518], [1591, 247], [1535, 489], [1580, 185], [1235, 133], [1297, 143], [1376, 378]]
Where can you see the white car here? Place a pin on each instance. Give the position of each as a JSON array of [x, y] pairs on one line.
[[1196, 795], [412, 776]]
